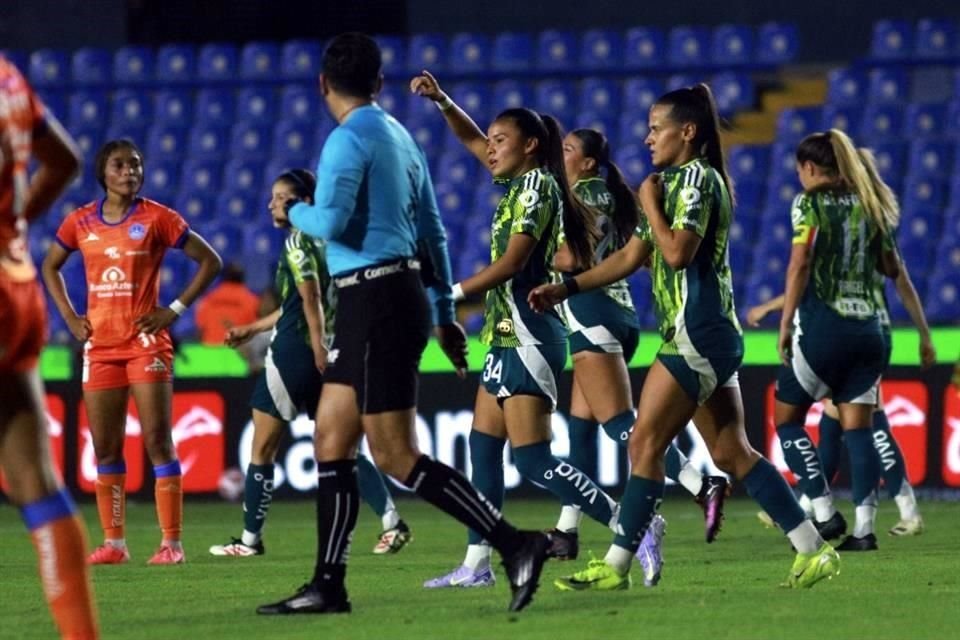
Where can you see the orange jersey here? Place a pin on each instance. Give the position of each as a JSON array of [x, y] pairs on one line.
[[21, 116], [122, 261]]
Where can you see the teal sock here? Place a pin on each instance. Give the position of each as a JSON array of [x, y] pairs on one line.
[[583, 445], [373, 489], [831, 445], [639, 504], [537, 464], [801, 456], [486, 459], [864, 465], [620, 426], [257, 496], [892, 467], [765, 485]]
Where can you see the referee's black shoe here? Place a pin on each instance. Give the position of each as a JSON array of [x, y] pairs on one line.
[[853, 543], [308, 599], [835, 527], [564, 545], [524, 566]]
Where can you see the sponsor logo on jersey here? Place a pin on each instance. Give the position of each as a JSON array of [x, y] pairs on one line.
[[332, 356], [114, 283], [505, 327], [91, 237], [112, 252], [137, 231]]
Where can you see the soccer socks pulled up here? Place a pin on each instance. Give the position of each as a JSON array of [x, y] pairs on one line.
[[536, 463], [486, 474], [338, 501], [679, 469], [865, 475], [257, 496], [892, 466], [168, 491], [583, 445], [801, 456], [60, 542], [765, 485], [830, 445], [641, 500], [112, 501], [618, 428]]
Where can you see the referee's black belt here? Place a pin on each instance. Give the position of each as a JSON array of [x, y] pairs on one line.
[[376, 271]]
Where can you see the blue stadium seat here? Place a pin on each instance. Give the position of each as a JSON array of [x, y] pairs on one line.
[[201, 176], [781, 190], [558, 98], [88, 138], [795, 123], [777, 232], [748, 162], [208, 141], [640, 92], [632, 128], [321, 131], [917, 252], [689, 47], [243, 208], [299, 103], [300, 60], [732, 44], [485, 200], [644, 48], [427, 51], [890, 160], [260, 61], [846, 117], [681, 81], [263, 243], [257, 104], [925, 192], [761, 287], [846, 86], [131, 107], [55, 101], [750, 195], [455, 202], [176, 64], [473, 258], [416, 107], [292, 138], [242, 176], [473, 97], [162, 178], [512, 51], [214, 107], [49, 68], [740, 256], [634, 162], [881, 122], [557, 50], [173, 107], [217, 63], [777, 43], [935, 38], [606, 124], [136, 133], [508, 94], [892, 40], [133, 66], [943, 297], [250, 139], [954, 195], [743, 229], [91, 67], [429, 133], [196, 207], [951, 125], [469, 52], [600, 94], [733, 91], [87, 108], [601, 49], [889, 84], [225, 236], [930, 158], [920, 224], [393, 55]]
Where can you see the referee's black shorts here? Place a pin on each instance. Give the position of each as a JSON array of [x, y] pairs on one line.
[[383, 324]]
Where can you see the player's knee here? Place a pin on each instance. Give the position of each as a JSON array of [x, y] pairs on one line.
[[645, 446], [733, 458], [159, 448], [534, 461]]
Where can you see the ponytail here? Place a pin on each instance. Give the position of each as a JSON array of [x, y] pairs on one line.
[[625, 210], [885, 195]]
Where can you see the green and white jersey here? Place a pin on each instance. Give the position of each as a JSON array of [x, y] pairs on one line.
[[532, 206], [846, 246], [880, 292], [594, 193], [694, 305], [303, 259]]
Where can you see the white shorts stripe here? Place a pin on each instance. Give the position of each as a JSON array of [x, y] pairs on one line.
[[540, 371], [806, 376], [278, 391]]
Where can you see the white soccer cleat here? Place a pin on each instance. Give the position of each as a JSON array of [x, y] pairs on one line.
[[910, 527], [237, 549]]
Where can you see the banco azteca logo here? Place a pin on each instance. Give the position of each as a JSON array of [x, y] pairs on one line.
[[113, 274]]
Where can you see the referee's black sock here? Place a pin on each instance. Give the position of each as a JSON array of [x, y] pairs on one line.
[[448, 490], [338, 500]]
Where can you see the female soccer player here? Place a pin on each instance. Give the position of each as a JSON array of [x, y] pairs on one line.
[[527, 351], [122, 238], [292, 376], [688, 210], [843, 233]]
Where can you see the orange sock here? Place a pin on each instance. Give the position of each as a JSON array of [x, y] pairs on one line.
[[60, 541], [112, 504], [169, 496]]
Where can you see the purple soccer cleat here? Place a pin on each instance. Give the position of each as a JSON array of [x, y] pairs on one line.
[[463, 576], [649, 553], [710, 499]]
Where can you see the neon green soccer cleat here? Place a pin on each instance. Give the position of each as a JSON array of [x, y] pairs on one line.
[[598, 575], [810, 568]]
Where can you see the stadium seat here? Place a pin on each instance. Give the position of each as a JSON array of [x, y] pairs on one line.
[[208, 141], [632, 128], [393, 55], [321, 131], [795, 123], [300, 60], [777, 43], [783, 160], [740, 256], [49, 68], [176, 64], [923, 192], [731, 45], [943, 298], [935, 38], [951, 125], [639, 93], [846, 117], [197, 208], [133, 66], [87, 108], [91, 67], [634, 162], [201, 176], [600, 49], [750, 195], [890, 160], [217, 63], [455, 203], [689, 47], [473, 97], [55, 101], [292, 138], [243, 208], [601, 95], [428, 133], [469, 52], [242, 176], [162, 178], [458, 168], [889, 84], [846, 86], [777, 232], [920, 224], [748, 162], [682, 81], [257, 104], [214, 107], [393, 99], [925, 120], [743, 229], [173, 107], [131, 107], [250, 139], [225, 236], [299, 103], [512, 52], [509, 94], [881, 122], [262, 243], [19, 58], [892, 40], [123, 130], [557, 50], [733, 91], [781, 190], [644, 48], [918, 252], [608, 125], [930, 158], [427, 51], [558, 98], [260, 61]]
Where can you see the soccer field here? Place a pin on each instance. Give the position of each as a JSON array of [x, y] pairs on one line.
[[908, 589]]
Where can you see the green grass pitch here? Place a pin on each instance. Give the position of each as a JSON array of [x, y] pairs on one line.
[[908, 589]]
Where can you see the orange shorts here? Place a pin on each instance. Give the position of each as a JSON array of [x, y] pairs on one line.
[[116, 374], [23, 324]]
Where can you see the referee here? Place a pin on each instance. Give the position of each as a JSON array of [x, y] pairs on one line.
[[375, 207]]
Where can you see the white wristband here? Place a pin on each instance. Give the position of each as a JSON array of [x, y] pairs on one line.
[[458, 292], [446, 104], [178, 307]]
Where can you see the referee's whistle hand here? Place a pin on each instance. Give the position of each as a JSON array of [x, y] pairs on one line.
[[453, 341]]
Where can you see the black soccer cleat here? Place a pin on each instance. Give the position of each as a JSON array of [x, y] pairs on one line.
[[853, 543], [565, 545], [524, 566], [308, 599], [835, 527]]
